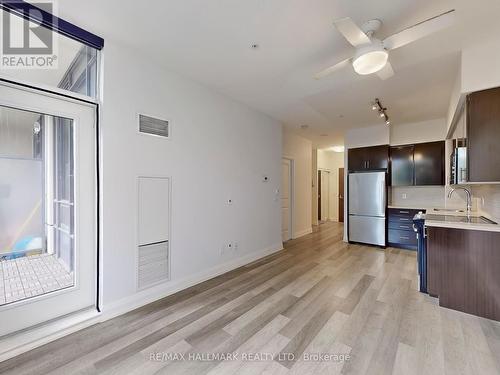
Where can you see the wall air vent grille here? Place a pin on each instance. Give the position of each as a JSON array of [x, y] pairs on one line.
[[153, 126], [153, 264]]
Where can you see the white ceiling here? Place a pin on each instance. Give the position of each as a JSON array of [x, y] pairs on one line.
[[209, 41]]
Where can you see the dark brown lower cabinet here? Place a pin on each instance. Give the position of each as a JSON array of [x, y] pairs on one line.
[[463, 270]]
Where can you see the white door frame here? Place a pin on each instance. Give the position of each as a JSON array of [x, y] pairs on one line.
[[291, 195], [326, 170]]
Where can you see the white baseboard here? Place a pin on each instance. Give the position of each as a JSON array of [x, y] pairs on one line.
[[144, 297], [303, 232], [29, 340]]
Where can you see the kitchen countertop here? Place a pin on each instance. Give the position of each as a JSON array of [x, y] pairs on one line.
[[407, 207], [444, 219], [452, 223], [427, 208]]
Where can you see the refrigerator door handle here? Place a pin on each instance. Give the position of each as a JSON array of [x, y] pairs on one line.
[[382, 194]]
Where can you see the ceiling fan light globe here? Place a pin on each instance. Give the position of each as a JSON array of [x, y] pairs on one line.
[[370, 60]]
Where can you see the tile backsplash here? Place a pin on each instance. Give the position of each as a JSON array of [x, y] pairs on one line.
[[425, 196], [488, 197], [428, 196]]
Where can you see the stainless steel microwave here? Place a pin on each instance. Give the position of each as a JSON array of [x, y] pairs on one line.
[[458, 173]]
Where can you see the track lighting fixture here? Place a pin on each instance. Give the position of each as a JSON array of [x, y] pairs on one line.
[[377, 106]]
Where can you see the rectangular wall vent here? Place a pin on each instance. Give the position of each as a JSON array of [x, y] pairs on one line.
[[153, 126], [153, 264]]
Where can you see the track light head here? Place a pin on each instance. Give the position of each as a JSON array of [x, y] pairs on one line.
[[377, 106]]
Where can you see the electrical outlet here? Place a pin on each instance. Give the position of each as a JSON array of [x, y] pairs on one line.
[[404, 196], [227, 248], [235, 246]]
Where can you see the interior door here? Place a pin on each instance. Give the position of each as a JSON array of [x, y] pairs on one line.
[[66, 242], [325, 195], [341, 195], [319, 195], [286, 209]]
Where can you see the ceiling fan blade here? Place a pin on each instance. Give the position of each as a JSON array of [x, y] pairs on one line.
[[420, 30], [351, 32], [332, 69], [386, 72]]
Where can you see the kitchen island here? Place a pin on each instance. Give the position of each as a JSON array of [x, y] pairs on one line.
[[463, 264]]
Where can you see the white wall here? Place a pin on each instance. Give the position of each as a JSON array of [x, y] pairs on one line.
[[455, 97], [300, 151], [480, 64], [418, 132], [368, 136], [220, 149], [331, 162]]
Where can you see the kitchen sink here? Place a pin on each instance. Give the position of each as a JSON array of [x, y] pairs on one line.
[[448, 210], [460, 219]]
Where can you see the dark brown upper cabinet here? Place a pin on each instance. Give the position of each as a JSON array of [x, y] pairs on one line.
[[402, 166], [368, 158], [483, 136], [429, 163], [357, 159], [420, 164]]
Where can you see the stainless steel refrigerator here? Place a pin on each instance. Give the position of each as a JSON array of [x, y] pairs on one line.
[[367, 204]]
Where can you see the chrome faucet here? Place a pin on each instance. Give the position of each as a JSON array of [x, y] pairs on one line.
[[469, 197]]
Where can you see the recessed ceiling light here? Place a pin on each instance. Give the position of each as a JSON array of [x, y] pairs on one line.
[[337, 148]]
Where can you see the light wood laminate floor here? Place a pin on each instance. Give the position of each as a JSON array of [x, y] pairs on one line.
[[320, 295]]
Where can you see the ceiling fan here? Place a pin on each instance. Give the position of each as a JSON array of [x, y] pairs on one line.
[[371, 53]]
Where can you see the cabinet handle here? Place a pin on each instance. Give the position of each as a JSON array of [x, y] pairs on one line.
[[405, 226], [404, 212], [404, 238], [404, 219]]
